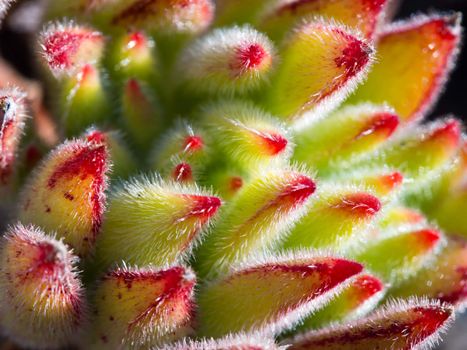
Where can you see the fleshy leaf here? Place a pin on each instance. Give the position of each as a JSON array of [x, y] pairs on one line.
[[246, 136], [133, 56], [12, 122], [344, 136], [363, 15], [271, 296], [42, 299], [445, 279], [67, 47], [400, 325], [66, 194], [149, 221], [320, 64], [231, 60], [182, 144], [397, 257], [357, 298], [337, 218], [383, 184], [421, 154], [234, 342], [141, 114], [162, 16], [414, 59], [142, 308], [84, 101], [255, 220]]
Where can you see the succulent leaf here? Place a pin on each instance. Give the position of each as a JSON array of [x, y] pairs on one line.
[[142, 308], [400, 325], [363, 15], [43, 304], [255, 220], [272, 296], [150, 221], [12, 123], [66, 194], [414, 59], [335, 58]]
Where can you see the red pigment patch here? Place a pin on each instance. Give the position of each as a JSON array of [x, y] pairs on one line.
[[354, 56], [449, 132], [204, 207], [96, 137], [392, 180], [6, 154], [297, 191], [430, 320], [374, 6], [272, 142], [136, 40], [366, 286], [330, 271], [427, 320], [60, 47], [193, 144], [235, 183], [250, 56], [428, 238], [176, 287], [83, 163], [48, 257], [183, 173], [383, 123], [363, 205], [460, 291]]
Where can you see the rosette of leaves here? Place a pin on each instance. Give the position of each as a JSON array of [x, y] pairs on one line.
[[235, 175]]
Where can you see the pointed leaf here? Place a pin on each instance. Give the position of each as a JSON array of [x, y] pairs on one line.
[[84, 100], [256, 219], [344, 136], [141, 114], [422, 154], [133, 56], [232, 60], [42, 299], [445, 279], [149, 221], [12, 122], [398, 257], [271, 296], [246, 136], [320, 64], [414, 59], [66, 194], [400, 325], [363, 15], [357, 298], [142, 308], [334, 219], [67, 47]]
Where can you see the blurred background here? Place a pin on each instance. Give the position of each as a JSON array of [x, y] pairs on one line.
[[17, 37]]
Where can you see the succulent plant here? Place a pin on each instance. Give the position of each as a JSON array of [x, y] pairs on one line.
[[234, 175]]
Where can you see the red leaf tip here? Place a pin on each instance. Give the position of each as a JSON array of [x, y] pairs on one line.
[[193, 143], [183, 173], [359, 204], [252, 56], [204, 206], [299, 189], [367, 286], [342, 269], [354, 56], [428, 237], [275, 143], [450, 131]]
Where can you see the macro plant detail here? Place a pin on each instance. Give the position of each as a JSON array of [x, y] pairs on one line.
[[234, 175]]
